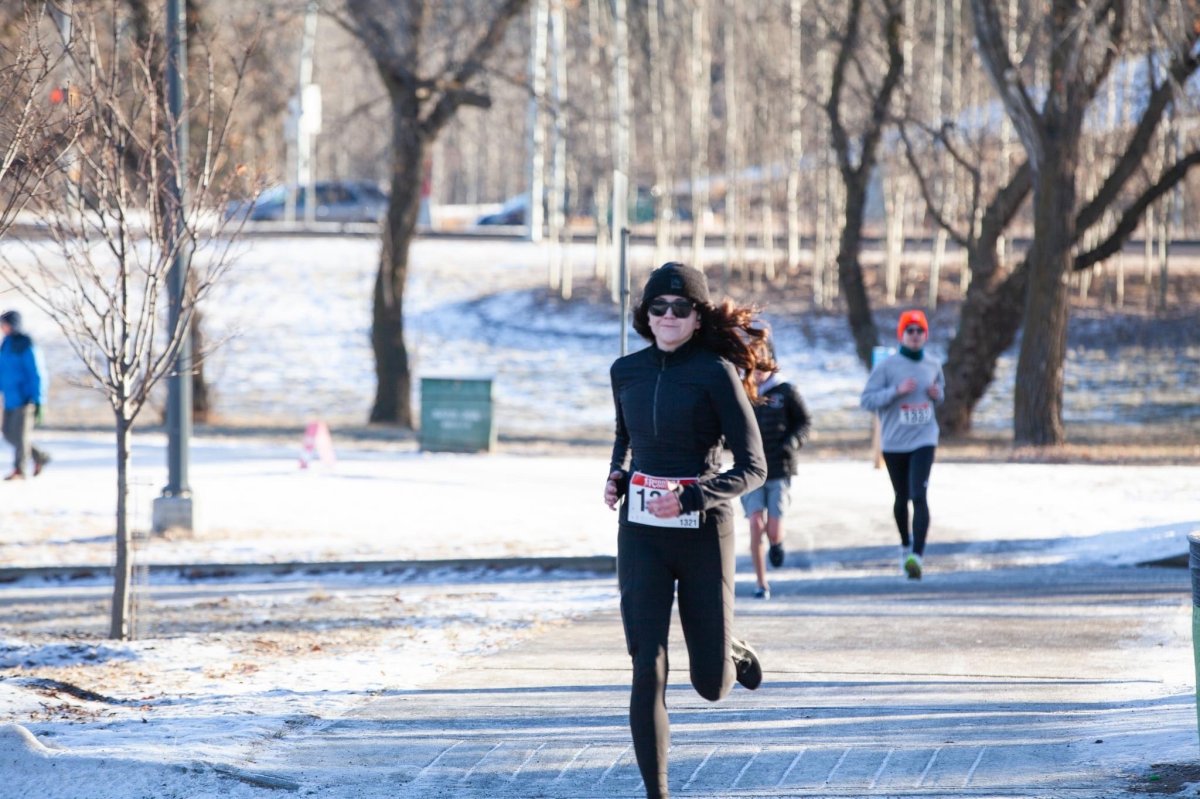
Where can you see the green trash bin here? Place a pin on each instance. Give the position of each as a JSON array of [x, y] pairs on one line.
[[456, 414]]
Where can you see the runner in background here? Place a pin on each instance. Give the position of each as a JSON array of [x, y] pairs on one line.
[[783, 422], [677, 402], [903, 390], [23, 383]]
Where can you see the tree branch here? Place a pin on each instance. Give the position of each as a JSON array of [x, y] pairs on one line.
[[1183, 65], [455, 91], [932, 206], [989, 38], [1132, 216], [833, 106]]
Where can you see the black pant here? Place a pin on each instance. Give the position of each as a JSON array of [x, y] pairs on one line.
[[18, 431], [910, 479], [650, 562]]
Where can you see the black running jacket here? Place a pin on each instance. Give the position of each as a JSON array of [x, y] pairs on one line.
[[783, 422], [675, 414]]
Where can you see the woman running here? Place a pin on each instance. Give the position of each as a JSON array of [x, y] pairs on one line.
[[903, 390], [679, 402]]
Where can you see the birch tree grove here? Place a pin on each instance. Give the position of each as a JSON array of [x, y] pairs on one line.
[[777, 123], [745, 122]]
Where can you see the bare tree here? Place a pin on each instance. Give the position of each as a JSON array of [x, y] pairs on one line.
[[857, 154], [991, 312], [431, 57], [1118, 193], [143, 22], [103, 278], [1083, 43]]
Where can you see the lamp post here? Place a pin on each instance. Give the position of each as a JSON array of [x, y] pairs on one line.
[[173, 509]]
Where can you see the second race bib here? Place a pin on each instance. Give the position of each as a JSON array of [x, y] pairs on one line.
[[916, 414], [645, 487]]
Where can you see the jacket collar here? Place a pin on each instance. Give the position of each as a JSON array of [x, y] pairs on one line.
[[771, 382], [678, 355]]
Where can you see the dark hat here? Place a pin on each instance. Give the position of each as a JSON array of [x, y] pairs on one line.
[[12, 319], [675, 278]]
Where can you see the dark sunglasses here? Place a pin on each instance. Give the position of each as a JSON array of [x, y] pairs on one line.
[[681, 308], [914, 329]]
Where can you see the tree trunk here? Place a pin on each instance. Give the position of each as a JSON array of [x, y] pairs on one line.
[[701, 103], [992, 309], [1037, 400], [201, 398], [659, 87], [121, 627], [796, 131], [856, 178], [535, 164], [599, 135], [988, 324], [850, 276], [393, 398]]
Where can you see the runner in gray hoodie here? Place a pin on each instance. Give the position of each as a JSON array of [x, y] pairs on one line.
[[903, 390]]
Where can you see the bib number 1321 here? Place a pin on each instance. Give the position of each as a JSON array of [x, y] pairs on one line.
[[916, 414], [645, 487]]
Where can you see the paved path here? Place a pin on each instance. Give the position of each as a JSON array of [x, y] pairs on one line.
[[1033, 682]]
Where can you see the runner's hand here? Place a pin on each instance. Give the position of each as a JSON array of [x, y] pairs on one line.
[[612, 490], [933, 391], [906, 385], [665, 506]]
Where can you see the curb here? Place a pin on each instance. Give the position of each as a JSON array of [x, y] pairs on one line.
[[1170, 562], [598, 564]]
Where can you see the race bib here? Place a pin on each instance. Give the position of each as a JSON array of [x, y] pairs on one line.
[[645, 487], [916, 414]]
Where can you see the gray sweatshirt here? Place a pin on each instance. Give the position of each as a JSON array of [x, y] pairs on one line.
[[907, 420]]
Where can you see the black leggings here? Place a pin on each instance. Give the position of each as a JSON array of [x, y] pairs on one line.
[[910, 478], [649, 563]]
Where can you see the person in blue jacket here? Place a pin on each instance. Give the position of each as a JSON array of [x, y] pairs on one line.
[[22, 381]]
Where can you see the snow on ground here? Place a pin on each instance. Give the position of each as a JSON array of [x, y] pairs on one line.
[[269, 658], [291, 327], [254, 503], [220, 668]]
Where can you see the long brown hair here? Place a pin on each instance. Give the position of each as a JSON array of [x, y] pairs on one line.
[[731, 331]]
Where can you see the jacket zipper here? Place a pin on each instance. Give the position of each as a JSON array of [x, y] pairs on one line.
[[662, 366]]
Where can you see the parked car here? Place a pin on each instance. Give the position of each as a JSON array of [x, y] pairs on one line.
[[337, 201], [514, 209], [511, 213]]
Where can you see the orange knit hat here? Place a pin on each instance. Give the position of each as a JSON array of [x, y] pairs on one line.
[[911, 318]]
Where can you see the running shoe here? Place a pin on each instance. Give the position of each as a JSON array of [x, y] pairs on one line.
[[39, 463], [762, 593], [749, 669], [912, 566], [775, 554]]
